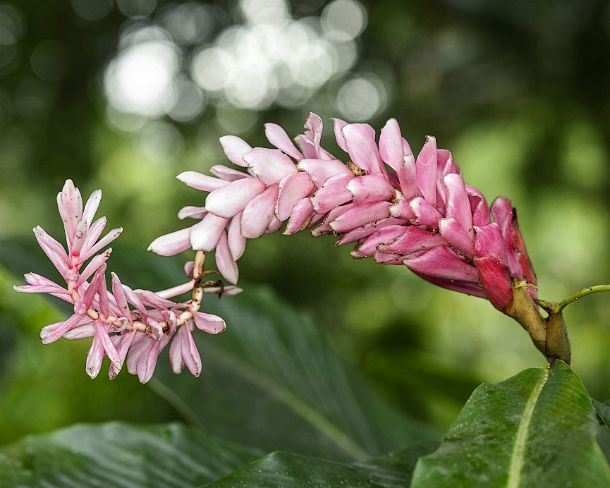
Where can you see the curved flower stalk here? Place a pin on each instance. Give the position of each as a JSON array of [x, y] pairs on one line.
[[126, 325]]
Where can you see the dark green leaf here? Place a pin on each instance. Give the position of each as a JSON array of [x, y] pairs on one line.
[[273, 381], [536, 429], [284, 470], [119, 455]]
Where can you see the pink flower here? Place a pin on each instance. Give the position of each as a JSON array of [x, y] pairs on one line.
[[396, 207], [125, 325]]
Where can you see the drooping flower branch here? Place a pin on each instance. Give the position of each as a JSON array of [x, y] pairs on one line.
[[125, 324], [396, 207]]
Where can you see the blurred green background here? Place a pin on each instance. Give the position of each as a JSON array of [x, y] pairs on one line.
[[125, 94]]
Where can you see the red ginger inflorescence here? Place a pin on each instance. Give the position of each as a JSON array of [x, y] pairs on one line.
[[395, 207]]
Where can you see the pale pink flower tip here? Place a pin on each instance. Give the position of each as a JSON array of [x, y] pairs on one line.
[[125, 325]]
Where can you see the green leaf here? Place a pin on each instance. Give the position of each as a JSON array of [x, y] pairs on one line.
[[536, 429], [119, 455], [273, 381], [282, 470]]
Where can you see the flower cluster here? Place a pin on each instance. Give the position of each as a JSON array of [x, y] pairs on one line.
[[397, 208], [126, 325]]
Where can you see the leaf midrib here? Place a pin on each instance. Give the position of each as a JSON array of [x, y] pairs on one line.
[[518, 453], [292, 401]]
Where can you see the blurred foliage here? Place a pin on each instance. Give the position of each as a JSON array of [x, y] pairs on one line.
[[518, 91]]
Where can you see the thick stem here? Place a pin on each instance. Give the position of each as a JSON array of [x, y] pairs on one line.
[[550, 334]]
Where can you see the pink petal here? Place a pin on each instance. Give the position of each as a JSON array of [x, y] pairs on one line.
[[95, 357], [207, 322], [226, 173], [274, 225], [467, 287], [80, 332], [93, 266], [370, 188], [523, 260], [425, 213], [426, 168], [51, 248], [230, 200], [224, 260], [309, 142], [324, 227], [458, 204], [299, 219], [102, 335], [70, 205], [102, 243], [53, 332], [360, 215], [407, 176], [172, 243], [93, 234], [235, 149], [478, 206], [402, 210], [124, 344], [237, 242], [269, 165], [148, 362], [119, 296], [292, 188], [258, 213], [338, 128], [175, 354], [205, 234], [442, 262], [91, 207], [333, 193], [367, 230], [489, 242], [190, 354], [369, 246], [361, 146], [322, 169], [192, 212], [202, 182], [277, 136], [496, 281], [456, 236], [390, 144], [413, 241], [177, 290]]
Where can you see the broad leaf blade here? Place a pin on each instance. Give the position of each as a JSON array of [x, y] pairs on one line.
[[275, 375], [537, 429], [283, 470], [119, 455]]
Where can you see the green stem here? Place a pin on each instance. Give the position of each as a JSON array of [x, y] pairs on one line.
[[579, 294]]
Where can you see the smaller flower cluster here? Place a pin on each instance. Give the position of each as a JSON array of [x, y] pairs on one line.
[[126, 325]]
